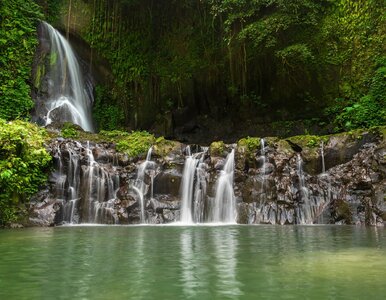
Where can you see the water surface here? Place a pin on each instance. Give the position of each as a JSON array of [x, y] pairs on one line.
[[196, 262]]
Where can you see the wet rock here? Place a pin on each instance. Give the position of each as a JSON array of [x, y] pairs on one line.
[[269, 189], [168, 182], [44, 213]]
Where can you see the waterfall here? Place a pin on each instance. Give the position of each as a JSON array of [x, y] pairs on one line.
[[193, 195], [200, 189], [224, 206], [322, 155], [324, 176], [69, 100], [99, 188], [187, 188], [140, 186], [91, 187], [304, 212], [263, 159]]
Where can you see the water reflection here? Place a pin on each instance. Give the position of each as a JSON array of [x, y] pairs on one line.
[[189, 265], [138, 262], [225, 245]]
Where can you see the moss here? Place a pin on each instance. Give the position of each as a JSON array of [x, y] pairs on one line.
[[217, 148], [380, 131], [162, 146], [40, 71], [309, 141], [251, 144], [246, 151], [284, 147]]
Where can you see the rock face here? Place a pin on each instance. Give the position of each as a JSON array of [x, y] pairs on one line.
[[281, 183]]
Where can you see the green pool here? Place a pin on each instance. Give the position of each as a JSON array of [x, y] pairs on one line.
[[197, 262]]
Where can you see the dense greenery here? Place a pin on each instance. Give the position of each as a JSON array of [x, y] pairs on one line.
[[23, 165], [272, 59], [369, 110], [18, 20]]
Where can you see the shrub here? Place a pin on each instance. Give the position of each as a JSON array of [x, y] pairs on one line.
[[23, 165]]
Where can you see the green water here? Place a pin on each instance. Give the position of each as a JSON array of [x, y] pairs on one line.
[[227, 262]]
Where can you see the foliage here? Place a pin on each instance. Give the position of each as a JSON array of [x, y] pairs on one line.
[[23, 162], [370, 110], [137, 143], [69, 131], [17, 45], [106, 114], [114, 133], [281, 59]]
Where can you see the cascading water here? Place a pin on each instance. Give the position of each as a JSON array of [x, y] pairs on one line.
[[324, 176], [70, 97], [140, 186], [71, 181], [91, 188], [304, 212], [187, 188], [200, 189], [99, 189], [193, 195], [322, 156], [263, 159], [224, 206]]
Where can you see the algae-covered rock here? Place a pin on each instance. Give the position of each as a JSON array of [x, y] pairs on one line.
[[217, 148], [247, 149], [342, 213], [163, 147]]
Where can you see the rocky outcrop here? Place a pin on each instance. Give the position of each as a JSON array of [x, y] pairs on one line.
[[280, 183]]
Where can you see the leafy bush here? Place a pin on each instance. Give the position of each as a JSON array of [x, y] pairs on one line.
[[17, 46], [23, 162], [69, 131], [108, 115], [370, 110]]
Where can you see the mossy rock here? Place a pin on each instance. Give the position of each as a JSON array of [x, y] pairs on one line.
[[137, 143], [217, 148], [163, 147], [250, 144], [311, 142], [246, 151], [283, 147], [343, 212]]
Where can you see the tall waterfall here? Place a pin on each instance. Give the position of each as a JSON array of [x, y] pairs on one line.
[[193, 188], [224, 207], [70, 97]]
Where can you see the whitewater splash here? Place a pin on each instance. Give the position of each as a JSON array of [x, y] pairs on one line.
[[70, 96]]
